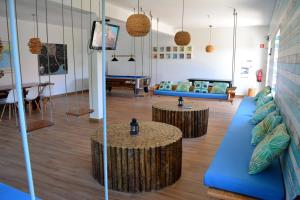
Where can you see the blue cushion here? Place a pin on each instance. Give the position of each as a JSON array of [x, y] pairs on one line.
[[9, 193], [191, 94], [229, 168]]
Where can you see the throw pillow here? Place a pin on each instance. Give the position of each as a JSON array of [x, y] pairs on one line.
[[183, 87], [270, 148], [219, 88], [263, 111], [200, 90], [265, 91], [261, 130], [165, 85], [263, 100], [201, 86]]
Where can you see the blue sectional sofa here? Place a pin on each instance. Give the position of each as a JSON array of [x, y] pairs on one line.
[[229, 168], [10, 193], [191, 94]]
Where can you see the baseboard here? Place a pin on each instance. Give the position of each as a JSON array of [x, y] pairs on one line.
[[69, 94], [93, 120]]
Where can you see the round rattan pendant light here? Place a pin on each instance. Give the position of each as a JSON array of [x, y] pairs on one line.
[[209, 48], [35, 44], [1, 46], [138, 25], [182, 38]]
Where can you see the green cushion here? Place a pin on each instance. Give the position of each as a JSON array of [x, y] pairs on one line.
[[263, 100], [165, 85], [270, 148], [183, 87], [265, 91], [263, 111], [219, 88], [200, 90], [261, 130], [201, 84]]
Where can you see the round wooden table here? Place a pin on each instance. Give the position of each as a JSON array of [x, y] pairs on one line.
[[149, 161], [191, 119]]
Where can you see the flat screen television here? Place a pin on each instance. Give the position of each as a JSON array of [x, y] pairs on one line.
[[112, 32]]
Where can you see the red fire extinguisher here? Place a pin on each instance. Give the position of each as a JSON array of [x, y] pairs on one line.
[[259, 75]]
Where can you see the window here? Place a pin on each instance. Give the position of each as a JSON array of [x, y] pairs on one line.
[[274, 71]]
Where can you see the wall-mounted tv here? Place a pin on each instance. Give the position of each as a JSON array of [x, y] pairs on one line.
[[112, 32]]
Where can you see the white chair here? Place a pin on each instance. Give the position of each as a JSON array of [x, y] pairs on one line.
[[45, 96], [32, 96], [10, 100]]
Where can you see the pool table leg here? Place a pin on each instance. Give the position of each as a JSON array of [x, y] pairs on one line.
[[136, 91], [146, 89]]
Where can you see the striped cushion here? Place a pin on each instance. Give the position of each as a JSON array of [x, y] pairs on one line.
[[263, 111], [183, 87], [261, 130], [270, 148], [263, 100], [219, 88], [265, 91]]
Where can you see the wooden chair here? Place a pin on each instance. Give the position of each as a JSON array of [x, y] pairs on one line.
[[9, 101], [32, 96]]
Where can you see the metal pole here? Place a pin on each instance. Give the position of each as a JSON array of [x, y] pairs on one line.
[[16, 62], [104, 99]]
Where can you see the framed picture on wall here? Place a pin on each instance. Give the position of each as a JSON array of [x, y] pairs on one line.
[[188, 56], [5, 59], [162, 56], [181, 49], [154, 56], [154, 49], [175, 55], [168, 56], [181, 56], [162, 49], [168, 49], [175, 49], [189, 48], [58, 61]]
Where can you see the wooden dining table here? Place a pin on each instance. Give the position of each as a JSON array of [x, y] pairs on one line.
[[6, 88]]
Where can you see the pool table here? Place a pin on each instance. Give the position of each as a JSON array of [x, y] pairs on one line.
[[136, 83]]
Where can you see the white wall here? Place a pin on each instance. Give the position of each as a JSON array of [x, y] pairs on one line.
[[29, 62], [216, 65]]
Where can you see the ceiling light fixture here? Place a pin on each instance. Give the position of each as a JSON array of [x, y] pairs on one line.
[[138, 25], [182, 38], [209, 48]]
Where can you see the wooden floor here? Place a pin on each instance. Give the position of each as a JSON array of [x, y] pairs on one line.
[[61, 155]]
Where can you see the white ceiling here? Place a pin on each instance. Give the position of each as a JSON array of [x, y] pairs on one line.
[[250, 12]]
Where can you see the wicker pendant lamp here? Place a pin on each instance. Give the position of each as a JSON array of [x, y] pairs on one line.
[[1, 46], [138, 25], [182, 38], [35, 44], [209, 48]]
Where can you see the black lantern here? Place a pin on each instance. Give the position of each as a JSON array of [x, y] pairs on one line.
[[180, 101], [134, 127]]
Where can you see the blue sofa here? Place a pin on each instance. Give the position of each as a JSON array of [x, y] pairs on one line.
[[191, 94], [229, 168]]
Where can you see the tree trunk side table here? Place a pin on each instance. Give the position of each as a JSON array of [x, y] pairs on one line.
[[191, 119], [149, 161]]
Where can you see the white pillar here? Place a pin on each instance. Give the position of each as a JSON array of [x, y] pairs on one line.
[[95, 86]]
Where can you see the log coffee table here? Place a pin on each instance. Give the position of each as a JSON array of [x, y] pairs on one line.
[[148, 161], [191, 119]]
